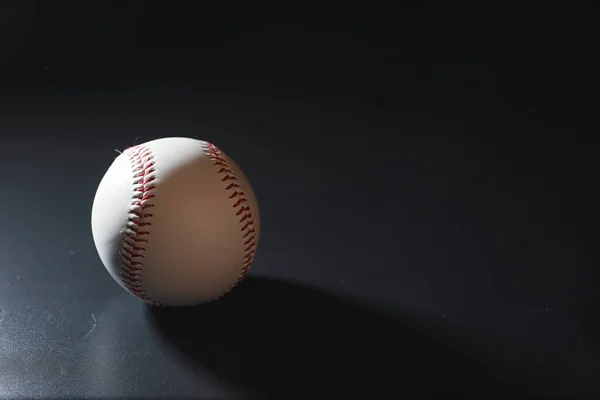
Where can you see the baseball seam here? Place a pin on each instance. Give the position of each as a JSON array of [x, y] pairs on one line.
[[241, 206], [135, 234]]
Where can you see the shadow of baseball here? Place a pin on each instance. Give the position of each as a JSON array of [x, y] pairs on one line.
[[288, 341]]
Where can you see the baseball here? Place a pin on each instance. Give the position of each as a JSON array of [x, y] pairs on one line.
[[175, 222]]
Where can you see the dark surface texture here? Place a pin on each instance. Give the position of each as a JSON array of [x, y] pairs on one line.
[[425, 187]]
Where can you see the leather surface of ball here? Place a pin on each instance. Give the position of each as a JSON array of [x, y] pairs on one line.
[[175, 222]]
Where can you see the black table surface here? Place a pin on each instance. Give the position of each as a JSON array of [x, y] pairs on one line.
[[422, 203]]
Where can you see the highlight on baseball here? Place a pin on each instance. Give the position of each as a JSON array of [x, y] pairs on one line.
[[175, 222]]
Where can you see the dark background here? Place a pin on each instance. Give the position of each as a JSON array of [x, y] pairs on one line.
[[425, 182]]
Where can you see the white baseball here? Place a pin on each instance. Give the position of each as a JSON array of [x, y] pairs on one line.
[[175, 222]]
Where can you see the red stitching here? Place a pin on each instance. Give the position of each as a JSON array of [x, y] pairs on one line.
[[135, 235], [243, 211]]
